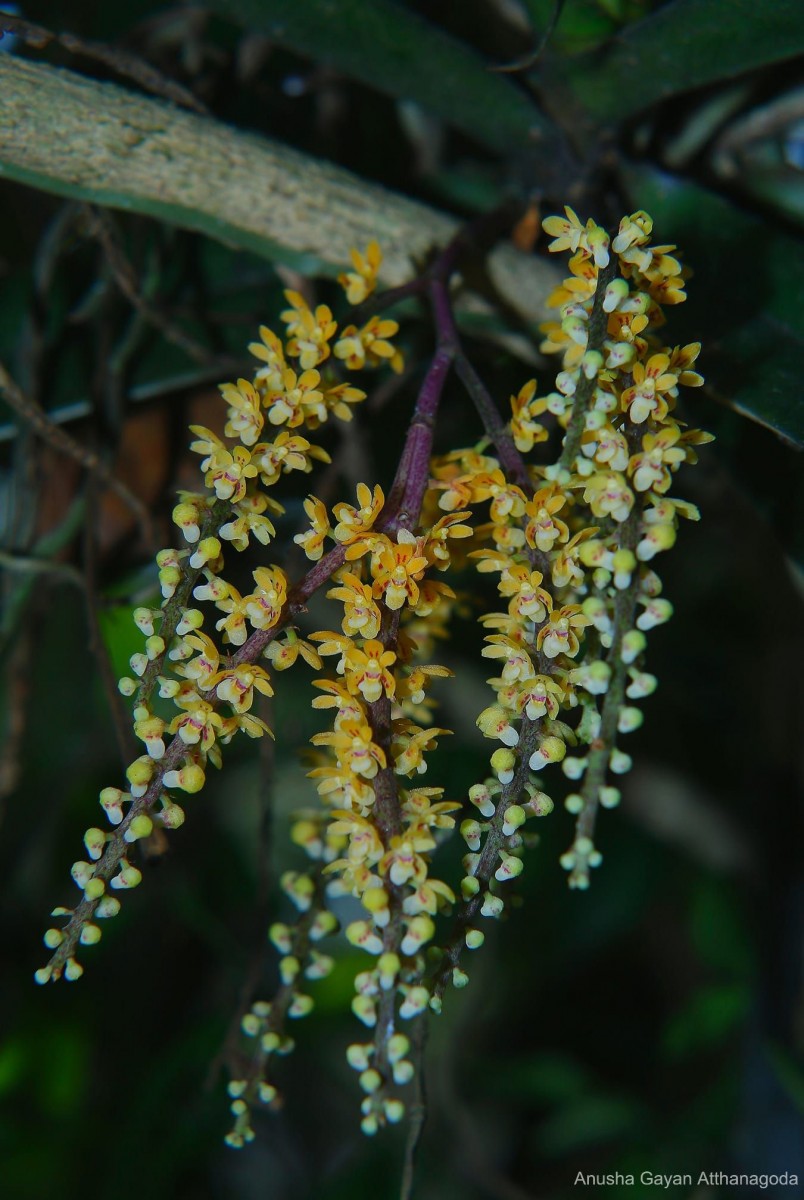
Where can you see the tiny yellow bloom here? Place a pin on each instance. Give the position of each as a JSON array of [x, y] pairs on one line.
[[312, 540], [269, 351], [399, 567], [361, 614], [309, 332], [558, 635], [264, 606], [245, 413], [369, 346], [236, 685], [566, 231], [352, 520], [362, 281]]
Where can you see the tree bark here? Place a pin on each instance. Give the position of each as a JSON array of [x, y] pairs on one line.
[[65, 133]]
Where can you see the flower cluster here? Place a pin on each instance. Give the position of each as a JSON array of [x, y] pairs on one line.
[[207, 679], [382, 827], [571, 546], [376, 752], [264, 1024]]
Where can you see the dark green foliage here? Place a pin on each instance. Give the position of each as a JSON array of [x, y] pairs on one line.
[[645, 1025]]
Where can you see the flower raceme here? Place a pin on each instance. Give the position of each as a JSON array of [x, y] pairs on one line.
[[572, 546], [212, 681]]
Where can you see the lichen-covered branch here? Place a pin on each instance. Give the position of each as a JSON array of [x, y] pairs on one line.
[[71, 135]]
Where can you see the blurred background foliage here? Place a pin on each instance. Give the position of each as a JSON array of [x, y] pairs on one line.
[[655, 1023]]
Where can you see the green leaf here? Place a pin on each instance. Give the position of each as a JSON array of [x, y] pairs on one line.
[[63, 1075], [586, 1122], [746, 298], [683, 45], [12, 1066], [401, 54], [789, 1073], [717, 932], [710, 1016], [578, 25], [121, 636], [548, 1078]]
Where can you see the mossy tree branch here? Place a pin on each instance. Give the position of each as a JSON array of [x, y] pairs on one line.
[[68, 134]]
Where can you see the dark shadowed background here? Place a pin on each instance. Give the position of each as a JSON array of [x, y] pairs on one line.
[[654, 1023]]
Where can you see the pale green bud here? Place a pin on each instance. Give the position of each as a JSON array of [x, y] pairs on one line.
[[94, 889], [619, 762], [615, 293], [492, 905], [469, 887], [609, 797], [510, 866], [403, 1072], [324, 924], [629, 719], [140, 827], [480, 796], [416, 1000], [388, 966], [398, 1046], [129, 877], [365, 1011], [358, 1055], [632, 646], [513, 818], [171, 816], [301, 1005], [503, 763], [540, 804], [573, 768], [81, 873], [471, 832], [289, 967], [370, 1080], [154, 646], [279, 935], [419, 930]]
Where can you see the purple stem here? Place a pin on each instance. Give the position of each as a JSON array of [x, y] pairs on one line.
[[413, 473], [497, 429]]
